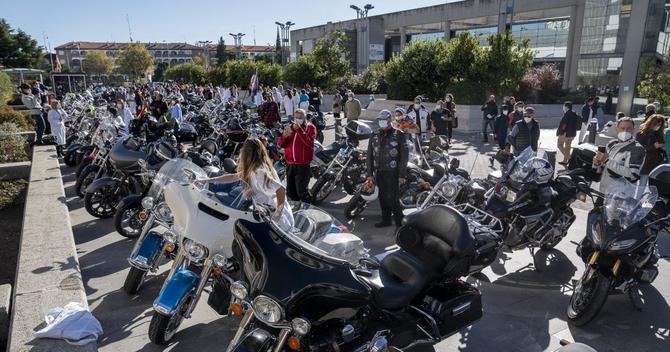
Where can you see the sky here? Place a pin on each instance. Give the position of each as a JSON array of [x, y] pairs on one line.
[[179, 21]]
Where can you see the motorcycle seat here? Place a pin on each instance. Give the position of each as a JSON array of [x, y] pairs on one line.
[[440, 221], [400, 278]]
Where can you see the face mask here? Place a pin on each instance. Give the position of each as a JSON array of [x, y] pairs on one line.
[[448, 100], [504, 111], [565, 109], [382, 123], [657, 128], [624, 136], [519, 109], [438, 107], [299, 122], [350, 98], [527, 119]]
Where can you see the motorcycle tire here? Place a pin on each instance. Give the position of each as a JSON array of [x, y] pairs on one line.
[[162, 328], [121, 215], [82, 165], [69, 157], [317, 192], [355, 207], [134, 280], [319, 136], [78, 158], [95, 207], [599, 291], [86, 177]]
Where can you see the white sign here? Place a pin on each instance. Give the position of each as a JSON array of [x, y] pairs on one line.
[[376, 52]]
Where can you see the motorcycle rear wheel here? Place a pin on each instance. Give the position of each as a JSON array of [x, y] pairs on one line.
[[97, 203], [82, 165], [355, 207], [322, 189], [134, 280], [86, 177], [588, 298]]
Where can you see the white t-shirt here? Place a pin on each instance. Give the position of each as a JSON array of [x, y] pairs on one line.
[[264, 191]]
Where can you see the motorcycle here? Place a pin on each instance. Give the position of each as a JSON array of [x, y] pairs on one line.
[[348, 165], [534, 207], [454, 187], [297, 295], [146, 254], [203, 220], [620, 245]]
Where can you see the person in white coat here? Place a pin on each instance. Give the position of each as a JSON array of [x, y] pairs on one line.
[[56, 119], [289, 105], [126, 113]]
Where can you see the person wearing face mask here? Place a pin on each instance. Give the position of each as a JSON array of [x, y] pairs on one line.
[[352, 108], [651, 139], [269, 111], [298, 142], [315, 99], [387, 167], [33, 104], [501, 126], [566, 132], [126, 113], [441, 120], [525, 133], [56, 118], [489, 113], [588, 115], [421, 117], [623, 157]]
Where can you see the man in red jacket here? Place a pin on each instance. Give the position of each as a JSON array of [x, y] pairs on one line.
[[298, 143]]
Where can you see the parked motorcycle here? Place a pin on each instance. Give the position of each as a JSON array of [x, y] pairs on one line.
[[152, 246], [533, 206], [203, 220], [455, 187], [620, 244], [295, 295]]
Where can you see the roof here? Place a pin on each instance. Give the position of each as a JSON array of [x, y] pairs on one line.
[[119, 46], [245, 48]]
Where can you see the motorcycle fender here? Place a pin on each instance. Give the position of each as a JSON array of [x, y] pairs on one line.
[[148, 252], [133, 200], [257, 340], [182, 283], [73, 147], [100, 183]]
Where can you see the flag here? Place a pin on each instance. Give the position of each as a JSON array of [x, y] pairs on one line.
[[59, 67], [253, 84]]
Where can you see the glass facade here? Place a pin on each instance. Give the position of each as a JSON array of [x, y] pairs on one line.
[[663, 45]]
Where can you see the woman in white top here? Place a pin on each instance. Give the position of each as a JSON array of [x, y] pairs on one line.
[[56, 119], [288, 104], [126, 113], [261, 181]]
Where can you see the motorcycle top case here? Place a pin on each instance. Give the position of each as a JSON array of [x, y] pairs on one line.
[[660, 178], [358, 130], [582, 158]]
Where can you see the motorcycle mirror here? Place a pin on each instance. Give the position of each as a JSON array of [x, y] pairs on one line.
[[189, 174]]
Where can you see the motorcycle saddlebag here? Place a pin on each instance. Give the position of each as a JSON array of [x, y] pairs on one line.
[[453, 305], [220, 297], [582, 158]]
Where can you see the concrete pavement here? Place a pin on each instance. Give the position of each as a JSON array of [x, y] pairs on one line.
[[524, 308]]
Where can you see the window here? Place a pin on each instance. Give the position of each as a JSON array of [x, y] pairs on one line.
[[612, 23], [614, 63], [609, 44]]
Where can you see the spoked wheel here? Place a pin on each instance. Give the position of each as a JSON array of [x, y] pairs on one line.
[[589, 297], [102, 203], [322, 189], [86, 177], [162, 327], [134, 280], [127, 221], [355, 206]]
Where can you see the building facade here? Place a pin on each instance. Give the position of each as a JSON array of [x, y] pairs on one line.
[[246, 51], [73, 54], [600, 45]]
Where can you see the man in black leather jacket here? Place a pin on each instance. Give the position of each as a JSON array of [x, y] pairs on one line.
[[387, 167]]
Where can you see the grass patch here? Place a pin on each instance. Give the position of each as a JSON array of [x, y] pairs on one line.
[[12, 193]]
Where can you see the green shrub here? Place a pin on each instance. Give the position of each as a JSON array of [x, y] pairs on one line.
[[467, 92], [301, 71], [11, 144], [218, 75], [187, 73], [6, 88], [21, 119], [10, 192]]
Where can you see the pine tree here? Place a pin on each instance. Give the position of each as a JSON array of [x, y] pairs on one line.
[[278, 48], [221, 52]]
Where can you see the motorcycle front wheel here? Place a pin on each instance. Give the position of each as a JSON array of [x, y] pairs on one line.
[[101, 203], [322, 189], [134, 280], [355, 207], [588, 298], [86, 177], [127, 221], [162, 327]]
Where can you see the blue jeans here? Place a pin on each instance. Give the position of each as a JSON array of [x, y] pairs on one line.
[[39, 128], [487, 123]]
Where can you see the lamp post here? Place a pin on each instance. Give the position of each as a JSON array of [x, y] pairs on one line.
[[238, 43], [362, 12], [285, 40], [205, 51], [281, 35]]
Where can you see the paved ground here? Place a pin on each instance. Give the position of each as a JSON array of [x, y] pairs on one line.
[[524, 308]]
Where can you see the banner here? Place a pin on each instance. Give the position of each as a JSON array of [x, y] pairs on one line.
[[376, 52]]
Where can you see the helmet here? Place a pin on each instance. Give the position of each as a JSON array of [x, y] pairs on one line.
[[229, 165], [384, 115], [369, 192]]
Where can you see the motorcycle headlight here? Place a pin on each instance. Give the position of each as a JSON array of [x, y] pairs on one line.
[[510, 196], [449, 189], [596, 234], [300, 326], [267, 310], [621, 245], [219, 260], [147, 202], [239, 290], [170, 236], [163, 212], [195, 251]]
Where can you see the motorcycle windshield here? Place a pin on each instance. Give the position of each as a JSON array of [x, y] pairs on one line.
[[626, 205], [175, 171], [529, 167], [317, 231]]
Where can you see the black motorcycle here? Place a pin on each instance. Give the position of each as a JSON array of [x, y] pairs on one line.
[[297, 293], [533, 206], [620, 244]]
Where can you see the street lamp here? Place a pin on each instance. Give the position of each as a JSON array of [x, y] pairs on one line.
[[362, 12], [238, 42], [367, 8], [205, 51], [357, 9], [285, 41]]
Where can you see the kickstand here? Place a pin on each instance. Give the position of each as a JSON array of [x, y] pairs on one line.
[[532, 254], [634, 297]]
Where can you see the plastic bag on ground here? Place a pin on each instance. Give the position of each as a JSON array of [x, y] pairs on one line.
[[72, 323]]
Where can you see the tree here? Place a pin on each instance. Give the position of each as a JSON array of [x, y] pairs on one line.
[[331, 58], [420, 69], [18, 49], [221, 56], [656, 83], [98, 63], [159, 71], [218, 75], [267, 58], [541, 84], [504, 63], [134, 60], [187, 73], [239, 72], [301, 71], [199, 60], [278, 48]]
